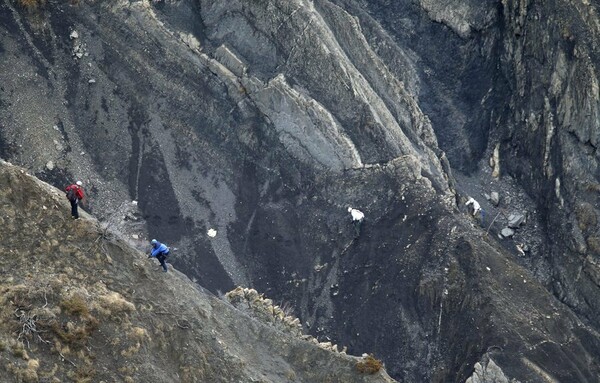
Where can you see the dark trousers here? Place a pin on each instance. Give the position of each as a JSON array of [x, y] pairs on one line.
[[74, 212], [357, 227], [162, 258]]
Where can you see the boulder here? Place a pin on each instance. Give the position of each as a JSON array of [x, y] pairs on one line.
[[507, 232], [515, 220], [495, 198]]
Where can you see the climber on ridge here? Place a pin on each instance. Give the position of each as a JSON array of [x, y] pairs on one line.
[[357, 219], [74, 195], [159, 251]]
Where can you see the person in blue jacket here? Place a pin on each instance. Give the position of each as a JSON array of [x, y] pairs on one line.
[[159, 251]]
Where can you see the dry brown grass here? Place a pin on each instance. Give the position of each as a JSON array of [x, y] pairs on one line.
[[369, 365], [74, 335], [593, 243], [592, 187], [586, 216], [114, 303], [31, 5], [84, 374], [75, 305], [26, 374], [18, 350]]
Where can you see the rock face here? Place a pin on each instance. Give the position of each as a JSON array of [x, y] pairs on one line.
[[487, 372], [260, 122], [79, 304]]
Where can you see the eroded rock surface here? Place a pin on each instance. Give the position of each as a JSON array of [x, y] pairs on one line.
[[265, 120]]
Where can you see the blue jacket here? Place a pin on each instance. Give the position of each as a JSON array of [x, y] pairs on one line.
[[159, 248]]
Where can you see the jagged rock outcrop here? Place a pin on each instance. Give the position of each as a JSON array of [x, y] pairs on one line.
[[77, 303], [488, 372], [264, 120]]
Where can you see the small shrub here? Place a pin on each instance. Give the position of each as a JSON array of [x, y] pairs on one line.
[[31, 5], [593, 243], [369, 365], [18, 350], [290, 375], [128, 353], [593, 187], [75, 305], [586, 216], [75, 336], [85, 374], [22, 374], [138, 333], [114, 303]]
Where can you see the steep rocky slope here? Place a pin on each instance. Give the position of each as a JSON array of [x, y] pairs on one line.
[[265, 119], [78, 304], [552, 134]]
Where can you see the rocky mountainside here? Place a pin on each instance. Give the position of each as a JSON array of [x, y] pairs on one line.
[[79, 304], [264, 120]]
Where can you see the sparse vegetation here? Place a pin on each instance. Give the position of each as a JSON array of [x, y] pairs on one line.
[[74, 335], [592, 187], [24, 373], [31, 5], [114, 303], [84, 374], [369, 365], [593, 243], [75, 305], [586, 216], [18, 350]]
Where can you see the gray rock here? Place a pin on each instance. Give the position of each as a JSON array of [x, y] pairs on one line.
[[495, 198], [230, 60], [487, 372], [515, 220], [507, 232]]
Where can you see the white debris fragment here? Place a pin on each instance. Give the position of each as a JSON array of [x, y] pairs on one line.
[[135, 236], [488, 269], [134, 203], [74, 35], [44, 207], [50, 165], [211, 233], [91, 81], [82, 153]]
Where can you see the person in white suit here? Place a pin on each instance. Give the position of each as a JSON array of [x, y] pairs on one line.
[[357, 219]]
